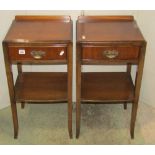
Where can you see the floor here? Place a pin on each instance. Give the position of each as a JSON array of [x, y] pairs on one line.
[[100, 124]]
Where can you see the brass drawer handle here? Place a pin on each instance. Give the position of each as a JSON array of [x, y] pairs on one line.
[[37, 54], [110, 54]]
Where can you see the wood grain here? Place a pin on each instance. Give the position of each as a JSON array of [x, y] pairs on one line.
[[107, 87], [108, 30], [104, 18], [97, 53], [39, 30], [51, 53], [41, 87], [43, 18]]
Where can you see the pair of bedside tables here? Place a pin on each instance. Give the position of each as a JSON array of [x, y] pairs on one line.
[[101, 40]]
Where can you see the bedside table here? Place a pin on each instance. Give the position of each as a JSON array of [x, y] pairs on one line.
[[39, 40], [108, 40]]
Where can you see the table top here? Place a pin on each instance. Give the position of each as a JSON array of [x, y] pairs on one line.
[[40, 29], [107, 29]]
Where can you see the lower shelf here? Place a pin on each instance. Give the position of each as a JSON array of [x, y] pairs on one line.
[[41, 87], [112, 87]]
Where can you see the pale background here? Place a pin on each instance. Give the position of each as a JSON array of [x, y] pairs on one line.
[[145, 20]]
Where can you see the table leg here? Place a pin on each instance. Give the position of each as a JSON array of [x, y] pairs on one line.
[[15, 119], [9, 75], [78, 90], [78, 118], [70, 119], [70, 90], [137, 89], [133, 119]]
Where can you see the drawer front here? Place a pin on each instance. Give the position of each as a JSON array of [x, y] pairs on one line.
[[37, 53], [110, 53]]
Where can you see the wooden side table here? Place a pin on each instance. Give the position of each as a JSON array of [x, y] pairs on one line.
[[39, 40], [109, 40]]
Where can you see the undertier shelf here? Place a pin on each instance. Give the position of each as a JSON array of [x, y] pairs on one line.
[[41, 87], [112, 87]]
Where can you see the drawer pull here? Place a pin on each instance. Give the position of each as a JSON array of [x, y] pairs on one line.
[[37, 54], [110, 54]]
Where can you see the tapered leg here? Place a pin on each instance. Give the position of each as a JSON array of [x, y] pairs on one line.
[[137, 89], [70, 119], [128, 69], [125, 106], [70, 90], [19, 68], [78, 118], [78, 90], [133, 119], [15, 119], [10, 81]]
